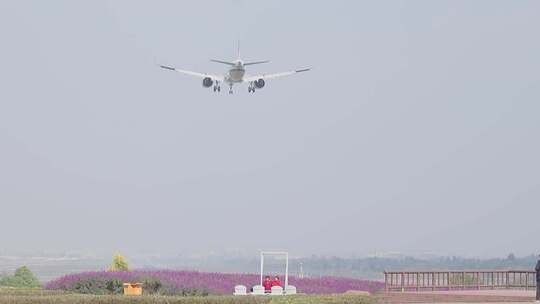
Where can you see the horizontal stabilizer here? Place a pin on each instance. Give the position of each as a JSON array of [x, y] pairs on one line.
[[256, 62], [222, 61], [167, 67]]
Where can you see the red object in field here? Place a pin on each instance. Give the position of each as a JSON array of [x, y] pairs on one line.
[[276, 282], [267, 285]]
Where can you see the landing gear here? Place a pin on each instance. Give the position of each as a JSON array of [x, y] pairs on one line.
[[217, 88], [230, 89], [251, 88]]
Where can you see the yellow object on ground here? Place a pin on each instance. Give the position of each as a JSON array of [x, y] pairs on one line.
[[132, 289]]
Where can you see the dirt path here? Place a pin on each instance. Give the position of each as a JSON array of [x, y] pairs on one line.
[[482, 296]]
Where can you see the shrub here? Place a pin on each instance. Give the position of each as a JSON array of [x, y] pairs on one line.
[[90, 286], [151, 285], [114, 286], [22, 278], [97, 286]]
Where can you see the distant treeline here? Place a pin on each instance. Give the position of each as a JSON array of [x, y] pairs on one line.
[[366, 267], [373, 267]]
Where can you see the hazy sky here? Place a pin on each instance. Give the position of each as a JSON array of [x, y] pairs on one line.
[[417, 130]]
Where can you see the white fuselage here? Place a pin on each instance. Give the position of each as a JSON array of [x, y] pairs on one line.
[[236, 72]]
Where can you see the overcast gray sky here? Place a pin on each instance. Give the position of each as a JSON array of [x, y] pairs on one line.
[[417, 130]]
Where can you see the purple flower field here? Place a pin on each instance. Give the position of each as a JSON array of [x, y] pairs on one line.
[[220, 283]]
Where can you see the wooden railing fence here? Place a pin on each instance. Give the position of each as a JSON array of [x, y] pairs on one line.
[[459, 280]]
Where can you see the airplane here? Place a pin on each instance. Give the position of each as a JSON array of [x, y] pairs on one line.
[[235, 74]]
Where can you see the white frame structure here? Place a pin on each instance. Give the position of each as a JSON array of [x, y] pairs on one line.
[[279, 253]]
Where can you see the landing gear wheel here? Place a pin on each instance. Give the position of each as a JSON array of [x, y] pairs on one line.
[[219, 89]]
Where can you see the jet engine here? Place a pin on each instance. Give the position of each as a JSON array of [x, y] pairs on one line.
[[207, 82], [259, 83]]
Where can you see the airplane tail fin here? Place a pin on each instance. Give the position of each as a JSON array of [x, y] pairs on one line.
[[238, 58], [229, 62], [238, 50]]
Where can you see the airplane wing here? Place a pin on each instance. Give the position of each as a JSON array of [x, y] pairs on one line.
[[196, 74], [276, 75]]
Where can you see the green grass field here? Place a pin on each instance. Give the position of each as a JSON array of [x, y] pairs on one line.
[[21, 296]]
